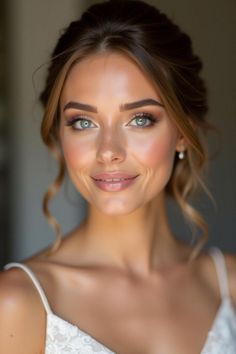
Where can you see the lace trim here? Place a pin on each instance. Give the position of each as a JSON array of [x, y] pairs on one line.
[[65, 338], [222, 336]]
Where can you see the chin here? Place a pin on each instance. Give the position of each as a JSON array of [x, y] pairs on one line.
[[115, 208]]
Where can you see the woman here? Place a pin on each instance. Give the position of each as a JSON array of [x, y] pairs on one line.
[[124, 109]]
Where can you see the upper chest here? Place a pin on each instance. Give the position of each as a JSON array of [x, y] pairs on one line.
[[66, 338], [168, 315]]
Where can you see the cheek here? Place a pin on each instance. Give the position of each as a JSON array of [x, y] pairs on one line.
[[76, 152], [156, 150]]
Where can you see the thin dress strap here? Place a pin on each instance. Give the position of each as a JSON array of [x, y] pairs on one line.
[[221, 271], [35, 282]]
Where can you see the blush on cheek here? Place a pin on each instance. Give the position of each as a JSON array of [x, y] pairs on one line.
[[76, 154], [156, 151]]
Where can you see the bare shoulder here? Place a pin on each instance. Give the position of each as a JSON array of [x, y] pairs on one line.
[[230, 260], [22, 318]]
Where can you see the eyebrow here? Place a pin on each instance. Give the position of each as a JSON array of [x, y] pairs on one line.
[[82, 106], [123, 107], [141, 103]]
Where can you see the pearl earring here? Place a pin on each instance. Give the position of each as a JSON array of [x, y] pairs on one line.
[[181, 155]]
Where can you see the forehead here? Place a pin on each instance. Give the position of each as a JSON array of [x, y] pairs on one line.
[[109, 73]]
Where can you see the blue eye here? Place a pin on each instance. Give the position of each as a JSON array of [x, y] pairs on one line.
[[80, 123], [143, 120]]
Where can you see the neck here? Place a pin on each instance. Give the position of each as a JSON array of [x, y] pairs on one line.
[[140, 241]]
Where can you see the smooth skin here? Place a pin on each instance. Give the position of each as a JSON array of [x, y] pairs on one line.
[[121, 276]]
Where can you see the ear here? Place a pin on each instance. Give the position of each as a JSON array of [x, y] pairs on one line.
[[181, 144]]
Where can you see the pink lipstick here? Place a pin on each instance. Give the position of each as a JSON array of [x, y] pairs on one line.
[[113, 181]]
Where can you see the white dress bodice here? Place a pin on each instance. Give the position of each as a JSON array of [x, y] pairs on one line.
[[63, 337]]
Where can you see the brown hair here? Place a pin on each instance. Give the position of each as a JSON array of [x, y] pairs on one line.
[[165, 53]]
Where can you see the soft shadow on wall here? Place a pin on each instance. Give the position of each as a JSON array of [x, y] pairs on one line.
[[31, 30], [4, 170]]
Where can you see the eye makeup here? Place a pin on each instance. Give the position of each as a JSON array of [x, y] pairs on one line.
[[84, 122], [142, 120], [142, 117]]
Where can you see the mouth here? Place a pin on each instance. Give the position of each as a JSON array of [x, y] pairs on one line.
[[114, 184], [113, 180]]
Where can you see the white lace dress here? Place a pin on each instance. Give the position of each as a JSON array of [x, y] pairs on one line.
[[64, 338]]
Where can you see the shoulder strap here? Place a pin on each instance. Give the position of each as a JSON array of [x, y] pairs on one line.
[[35, 281], [221, 271]]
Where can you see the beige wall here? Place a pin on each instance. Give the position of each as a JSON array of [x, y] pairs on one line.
[[33, 27]]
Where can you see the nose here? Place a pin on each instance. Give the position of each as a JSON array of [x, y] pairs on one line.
[[111, 148]]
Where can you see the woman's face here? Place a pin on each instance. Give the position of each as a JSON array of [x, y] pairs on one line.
[[118, 141]]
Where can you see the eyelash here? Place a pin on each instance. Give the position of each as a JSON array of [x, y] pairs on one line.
[[71, 122], [145, 115]]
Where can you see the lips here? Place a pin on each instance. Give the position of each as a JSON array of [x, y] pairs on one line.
[[113, 181]]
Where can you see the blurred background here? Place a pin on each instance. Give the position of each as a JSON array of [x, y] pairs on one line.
[[28, 32]]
